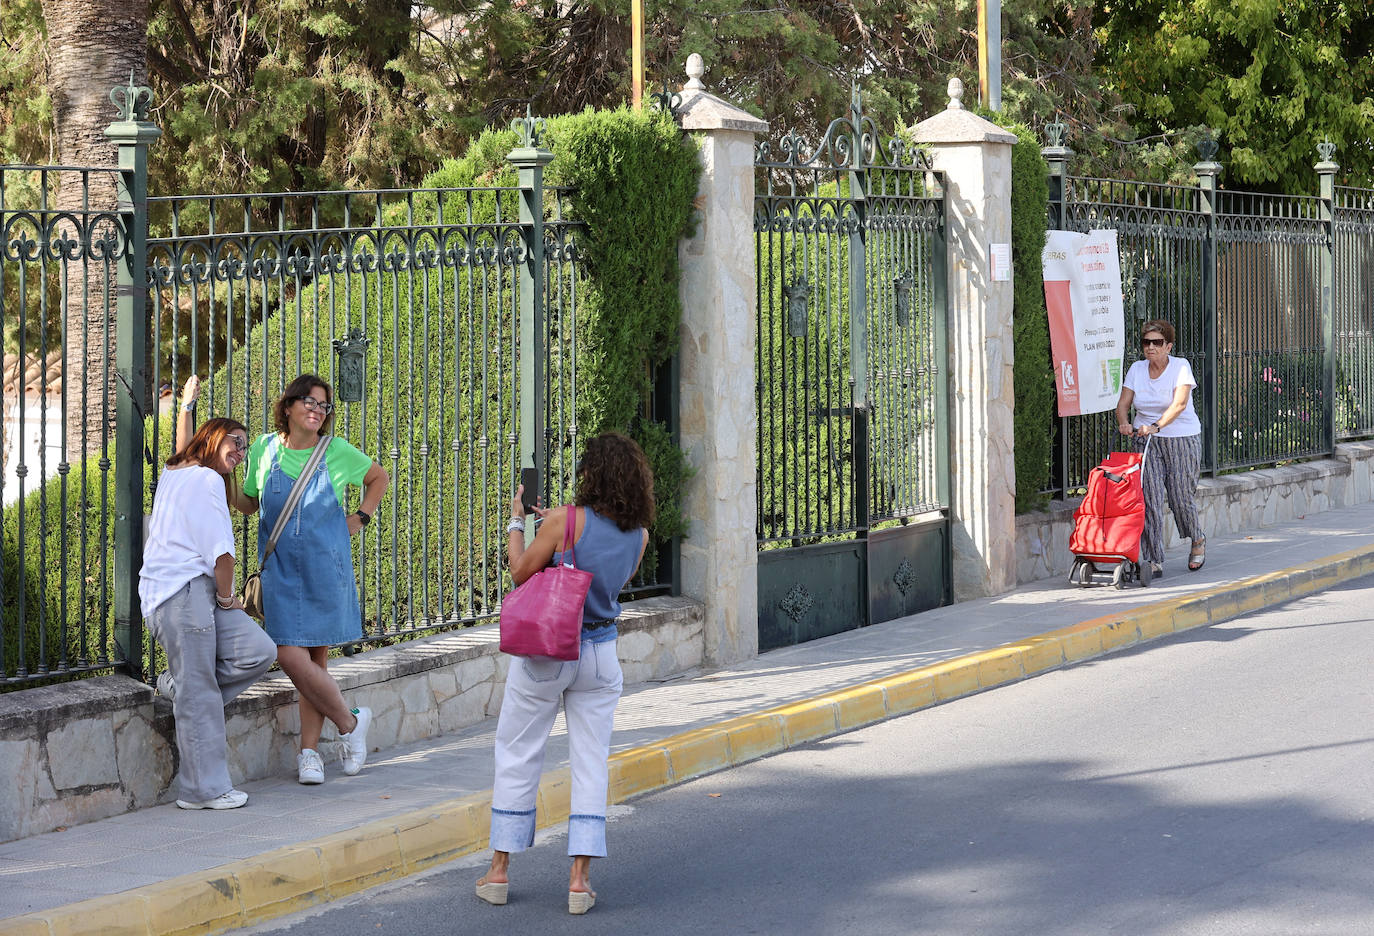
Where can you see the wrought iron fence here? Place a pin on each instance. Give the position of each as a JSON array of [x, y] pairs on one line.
[[1354, 325], [1267, 294], [850, 395], [453, 311], [63, 245]]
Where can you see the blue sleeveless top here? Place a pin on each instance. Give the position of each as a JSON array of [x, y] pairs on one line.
[[611, 555]]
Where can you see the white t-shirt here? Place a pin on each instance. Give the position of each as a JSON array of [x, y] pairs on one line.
[[1154, 395], [189, 530]]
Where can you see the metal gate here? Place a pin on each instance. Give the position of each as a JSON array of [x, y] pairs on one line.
[[853, 459]]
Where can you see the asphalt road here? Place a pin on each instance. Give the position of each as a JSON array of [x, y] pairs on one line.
[[1215, 783]]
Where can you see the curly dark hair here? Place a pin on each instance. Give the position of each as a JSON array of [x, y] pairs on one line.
[[296, 389], [615, 480]]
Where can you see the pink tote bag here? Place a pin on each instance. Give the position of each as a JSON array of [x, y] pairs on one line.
[[543, 617]]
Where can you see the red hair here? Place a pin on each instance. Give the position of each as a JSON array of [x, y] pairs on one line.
[[204, 445]]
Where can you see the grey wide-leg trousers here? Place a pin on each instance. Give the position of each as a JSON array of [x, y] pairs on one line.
[[213, 655], [1169, 474]]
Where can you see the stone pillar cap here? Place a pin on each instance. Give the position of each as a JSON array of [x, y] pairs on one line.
[[702, 110], [954, 124]]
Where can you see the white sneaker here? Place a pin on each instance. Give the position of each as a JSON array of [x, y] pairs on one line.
[[231, 800], [356, 754], [309, 767], [166, 686]]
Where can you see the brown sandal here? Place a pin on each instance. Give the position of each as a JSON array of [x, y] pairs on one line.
[[1197, 555]]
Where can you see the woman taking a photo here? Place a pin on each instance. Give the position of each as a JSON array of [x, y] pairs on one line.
[[615, 497], [1161, 389], [310, 594], [186, 587]]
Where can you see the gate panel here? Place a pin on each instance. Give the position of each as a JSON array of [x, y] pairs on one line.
[[851, 393]]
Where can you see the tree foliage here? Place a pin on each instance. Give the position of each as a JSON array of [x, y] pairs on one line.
[[1271, 79]]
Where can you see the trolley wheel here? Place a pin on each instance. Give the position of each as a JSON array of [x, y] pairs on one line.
[[1119, 576], [1144, 573], [1085, 575]]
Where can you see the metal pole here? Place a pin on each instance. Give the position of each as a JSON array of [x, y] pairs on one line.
[[1326, 173], [133, 134], [1057, 156], [990, 54], [1207, 173], [636, 53], [529, 159]]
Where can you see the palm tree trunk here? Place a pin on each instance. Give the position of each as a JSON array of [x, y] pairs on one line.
[[92, 47]]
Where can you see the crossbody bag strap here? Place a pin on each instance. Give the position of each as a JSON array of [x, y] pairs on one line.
[[292, 499]]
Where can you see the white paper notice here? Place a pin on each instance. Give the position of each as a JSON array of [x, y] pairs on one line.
[[1000, 255], [1087, 331]]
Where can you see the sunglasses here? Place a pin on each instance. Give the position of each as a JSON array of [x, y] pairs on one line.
[[1152, 342]]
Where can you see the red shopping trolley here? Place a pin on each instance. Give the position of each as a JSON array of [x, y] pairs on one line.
[[1107, 525]]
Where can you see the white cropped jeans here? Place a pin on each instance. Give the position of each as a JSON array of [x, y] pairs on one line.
[[590, 688]]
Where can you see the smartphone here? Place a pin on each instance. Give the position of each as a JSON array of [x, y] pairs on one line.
[[529, 477]]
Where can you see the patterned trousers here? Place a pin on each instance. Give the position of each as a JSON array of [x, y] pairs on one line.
[[1170, 471]]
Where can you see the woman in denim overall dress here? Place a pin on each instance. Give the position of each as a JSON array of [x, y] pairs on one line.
[[310, 595], [615, 494]]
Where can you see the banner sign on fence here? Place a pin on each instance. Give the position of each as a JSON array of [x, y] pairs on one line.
[[1082, 275]]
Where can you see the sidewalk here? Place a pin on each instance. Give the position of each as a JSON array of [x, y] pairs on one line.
[[168, 870]]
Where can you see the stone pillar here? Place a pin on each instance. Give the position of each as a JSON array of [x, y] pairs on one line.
[[719, 331], [975, 157]]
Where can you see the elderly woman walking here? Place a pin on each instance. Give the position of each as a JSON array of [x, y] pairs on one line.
[[615, 501], [1160, 387]]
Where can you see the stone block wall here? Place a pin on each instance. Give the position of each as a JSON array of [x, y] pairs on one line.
[[92, 748], [1230, 504]]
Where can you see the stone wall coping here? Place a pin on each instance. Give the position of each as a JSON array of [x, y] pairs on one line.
[[46, 706], [1261, 478]]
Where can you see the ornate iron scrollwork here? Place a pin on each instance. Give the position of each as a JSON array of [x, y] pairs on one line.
[[351, 353], [902, 286], [797, 294], [796, 603], [1207, 148], [132, 101], [529, 129], [1055, 133], [904, 578]]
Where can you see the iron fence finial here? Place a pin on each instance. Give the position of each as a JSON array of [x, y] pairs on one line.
[[131, 101]]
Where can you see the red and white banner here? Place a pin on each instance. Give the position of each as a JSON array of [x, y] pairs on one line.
[[1082, 275]]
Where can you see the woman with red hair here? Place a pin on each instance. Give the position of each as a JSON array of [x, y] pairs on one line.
[[186, 586]]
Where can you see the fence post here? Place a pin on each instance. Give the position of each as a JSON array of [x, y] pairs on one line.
[[529, 159], [858, 324], [133, 134], [1207, 172], [1057, 156], [1326, 174], [719, 423], [975, 157]]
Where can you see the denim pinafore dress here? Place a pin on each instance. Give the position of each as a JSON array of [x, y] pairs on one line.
[[310, 595]]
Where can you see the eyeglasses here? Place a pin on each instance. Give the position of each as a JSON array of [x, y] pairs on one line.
[[311, 403], [1152, 342], [239, 443]]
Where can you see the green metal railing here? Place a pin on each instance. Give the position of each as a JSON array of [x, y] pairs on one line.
[[63, 244], [446, 320], [851, 329], [1354, 312], [1268, 297]]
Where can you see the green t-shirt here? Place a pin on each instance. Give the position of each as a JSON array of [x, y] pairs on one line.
[[346, 464]]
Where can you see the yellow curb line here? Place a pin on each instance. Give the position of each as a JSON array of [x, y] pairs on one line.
[[295, 877]]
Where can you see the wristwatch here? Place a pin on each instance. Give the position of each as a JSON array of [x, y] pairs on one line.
[[1155, 425], [366, 518]]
